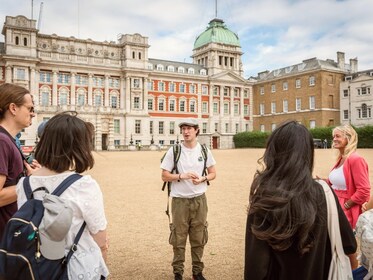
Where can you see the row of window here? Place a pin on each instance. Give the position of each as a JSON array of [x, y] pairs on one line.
[[285, 85], [364, 112], [312, 124], [182, 105], [191, 88], [180, 69], [81, 97], [360, 91], [18, 41], [82, 80], [285, 105], [172, 127], [175, 87]]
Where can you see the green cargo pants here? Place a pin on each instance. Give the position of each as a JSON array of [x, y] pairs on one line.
[[189, 217]]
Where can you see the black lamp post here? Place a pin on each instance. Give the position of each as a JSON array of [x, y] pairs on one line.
[[131, 141], [177, 139]]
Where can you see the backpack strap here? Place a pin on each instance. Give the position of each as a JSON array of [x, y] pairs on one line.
[[66, 183], [58, 191], [204, 155], [74, 247]]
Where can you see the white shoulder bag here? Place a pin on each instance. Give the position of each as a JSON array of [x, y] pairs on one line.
[[340, 267]]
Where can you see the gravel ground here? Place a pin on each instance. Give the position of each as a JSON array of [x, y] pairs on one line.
[[138, 227]]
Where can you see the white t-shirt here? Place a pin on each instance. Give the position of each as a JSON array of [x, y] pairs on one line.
[[191, 160], [86, 201], [337, 179]]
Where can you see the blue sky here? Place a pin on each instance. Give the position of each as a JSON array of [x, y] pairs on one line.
[[273, 33]]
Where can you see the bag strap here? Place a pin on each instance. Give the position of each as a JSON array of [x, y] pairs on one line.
[[66, 183], [333, 220], [204, 155], [74, 247], [58, 191]]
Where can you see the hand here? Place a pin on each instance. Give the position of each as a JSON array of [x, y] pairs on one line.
[[199, 180], [364, 207], [189, 175], [31, 168]]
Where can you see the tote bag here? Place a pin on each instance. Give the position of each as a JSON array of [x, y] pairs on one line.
[[340, 267]]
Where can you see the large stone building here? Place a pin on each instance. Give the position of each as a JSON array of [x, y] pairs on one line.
[[128, 97], [308, 92], [357, 98]]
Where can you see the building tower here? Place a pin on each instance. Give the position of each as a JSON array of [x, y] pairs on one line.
[[218, 49]]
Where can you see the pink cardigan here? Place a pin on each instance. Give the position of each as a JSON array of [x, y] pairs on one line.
[[355, 170]]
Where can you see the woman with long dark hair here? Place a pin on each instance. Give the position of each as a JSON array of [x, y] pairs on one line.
[[286, 231]]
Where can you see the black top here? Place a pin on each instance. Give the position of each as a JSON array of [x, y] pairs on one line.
[[262, 262]]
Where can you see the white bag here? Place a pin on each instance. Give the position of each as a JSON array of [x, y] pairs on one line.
[[340, 267], [364, 231]]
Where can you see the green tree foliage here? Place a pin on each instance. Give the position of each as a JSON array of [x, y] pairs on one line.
[[254, 139], [257, 139]]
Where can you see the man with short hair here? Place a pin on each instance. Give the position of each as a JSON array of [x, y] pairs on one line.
[[16, 113], [189, 204]]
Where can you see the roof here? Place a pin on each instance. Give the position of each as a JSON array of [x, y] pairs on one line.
[[217, 32], [306, 65]]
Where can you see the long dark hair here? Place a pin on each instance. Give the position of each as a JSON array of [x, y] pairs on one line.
[[66, 144], [283, 196]]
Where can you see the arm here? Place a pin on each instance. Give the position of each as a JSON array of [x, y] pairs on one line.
[[211, 173], [7, 195], [367, 205], [103, 242], [360, 178]]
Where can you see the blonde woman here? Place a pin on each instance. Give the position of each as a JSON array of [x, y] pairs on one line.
[[349, 177]]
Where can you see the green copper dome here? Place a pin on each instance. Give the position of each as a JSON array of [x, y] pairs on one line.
[[217, 32]]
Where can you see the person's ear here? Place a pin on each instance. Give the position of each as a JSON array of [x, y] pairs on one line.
[[13, 108]]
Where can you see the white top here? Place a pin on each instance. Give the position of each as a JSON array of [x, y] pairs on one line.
[[337, 179], [86, 201], [191, 160]]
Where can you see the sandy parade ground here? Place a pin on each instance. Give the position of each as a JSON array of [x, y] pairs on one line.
[[138, 226]]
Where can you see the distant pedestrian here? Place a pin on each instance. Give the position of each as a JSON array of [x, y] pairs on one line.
[[325, 143]]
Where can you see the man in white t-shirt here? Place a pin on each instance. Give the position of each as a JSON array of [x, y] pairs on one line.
[[189, 204]]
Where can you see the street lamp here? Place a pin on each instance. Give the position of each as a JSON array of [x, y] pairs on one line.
[[131, 141]]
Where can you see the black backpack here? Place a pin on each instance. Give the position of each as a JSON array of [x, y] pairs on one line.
[[176, 152], [20, 256]]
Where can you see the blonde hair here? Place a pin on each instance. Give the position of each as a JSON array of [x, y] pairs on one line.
[[350, 134]]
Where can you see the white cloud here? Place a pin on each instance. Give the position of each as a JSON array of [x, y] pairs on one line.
[[273, 33]]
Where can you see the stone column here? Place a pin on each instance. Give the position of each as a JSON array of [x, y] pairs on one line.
[[33, 90], [128, 94], [73, 90], [90, 86], [111, 146], [106, 91], [146, 95], [8, 74], [122, 95], [54, 89]]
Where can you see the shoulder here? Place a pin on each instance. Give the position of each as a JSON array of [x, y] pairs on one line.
[[355, 157]]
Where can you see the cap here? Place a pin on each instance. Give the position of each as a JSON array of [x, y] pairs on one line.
[[41, 128], [188, 122], [54, 227]]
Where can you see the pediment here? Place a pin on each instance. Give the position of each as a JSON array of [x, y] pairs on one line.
[[362, 78], [228, 76]]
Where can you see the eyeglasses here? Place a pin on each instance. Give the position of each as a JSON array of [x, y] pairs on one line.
[[31, 109]]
